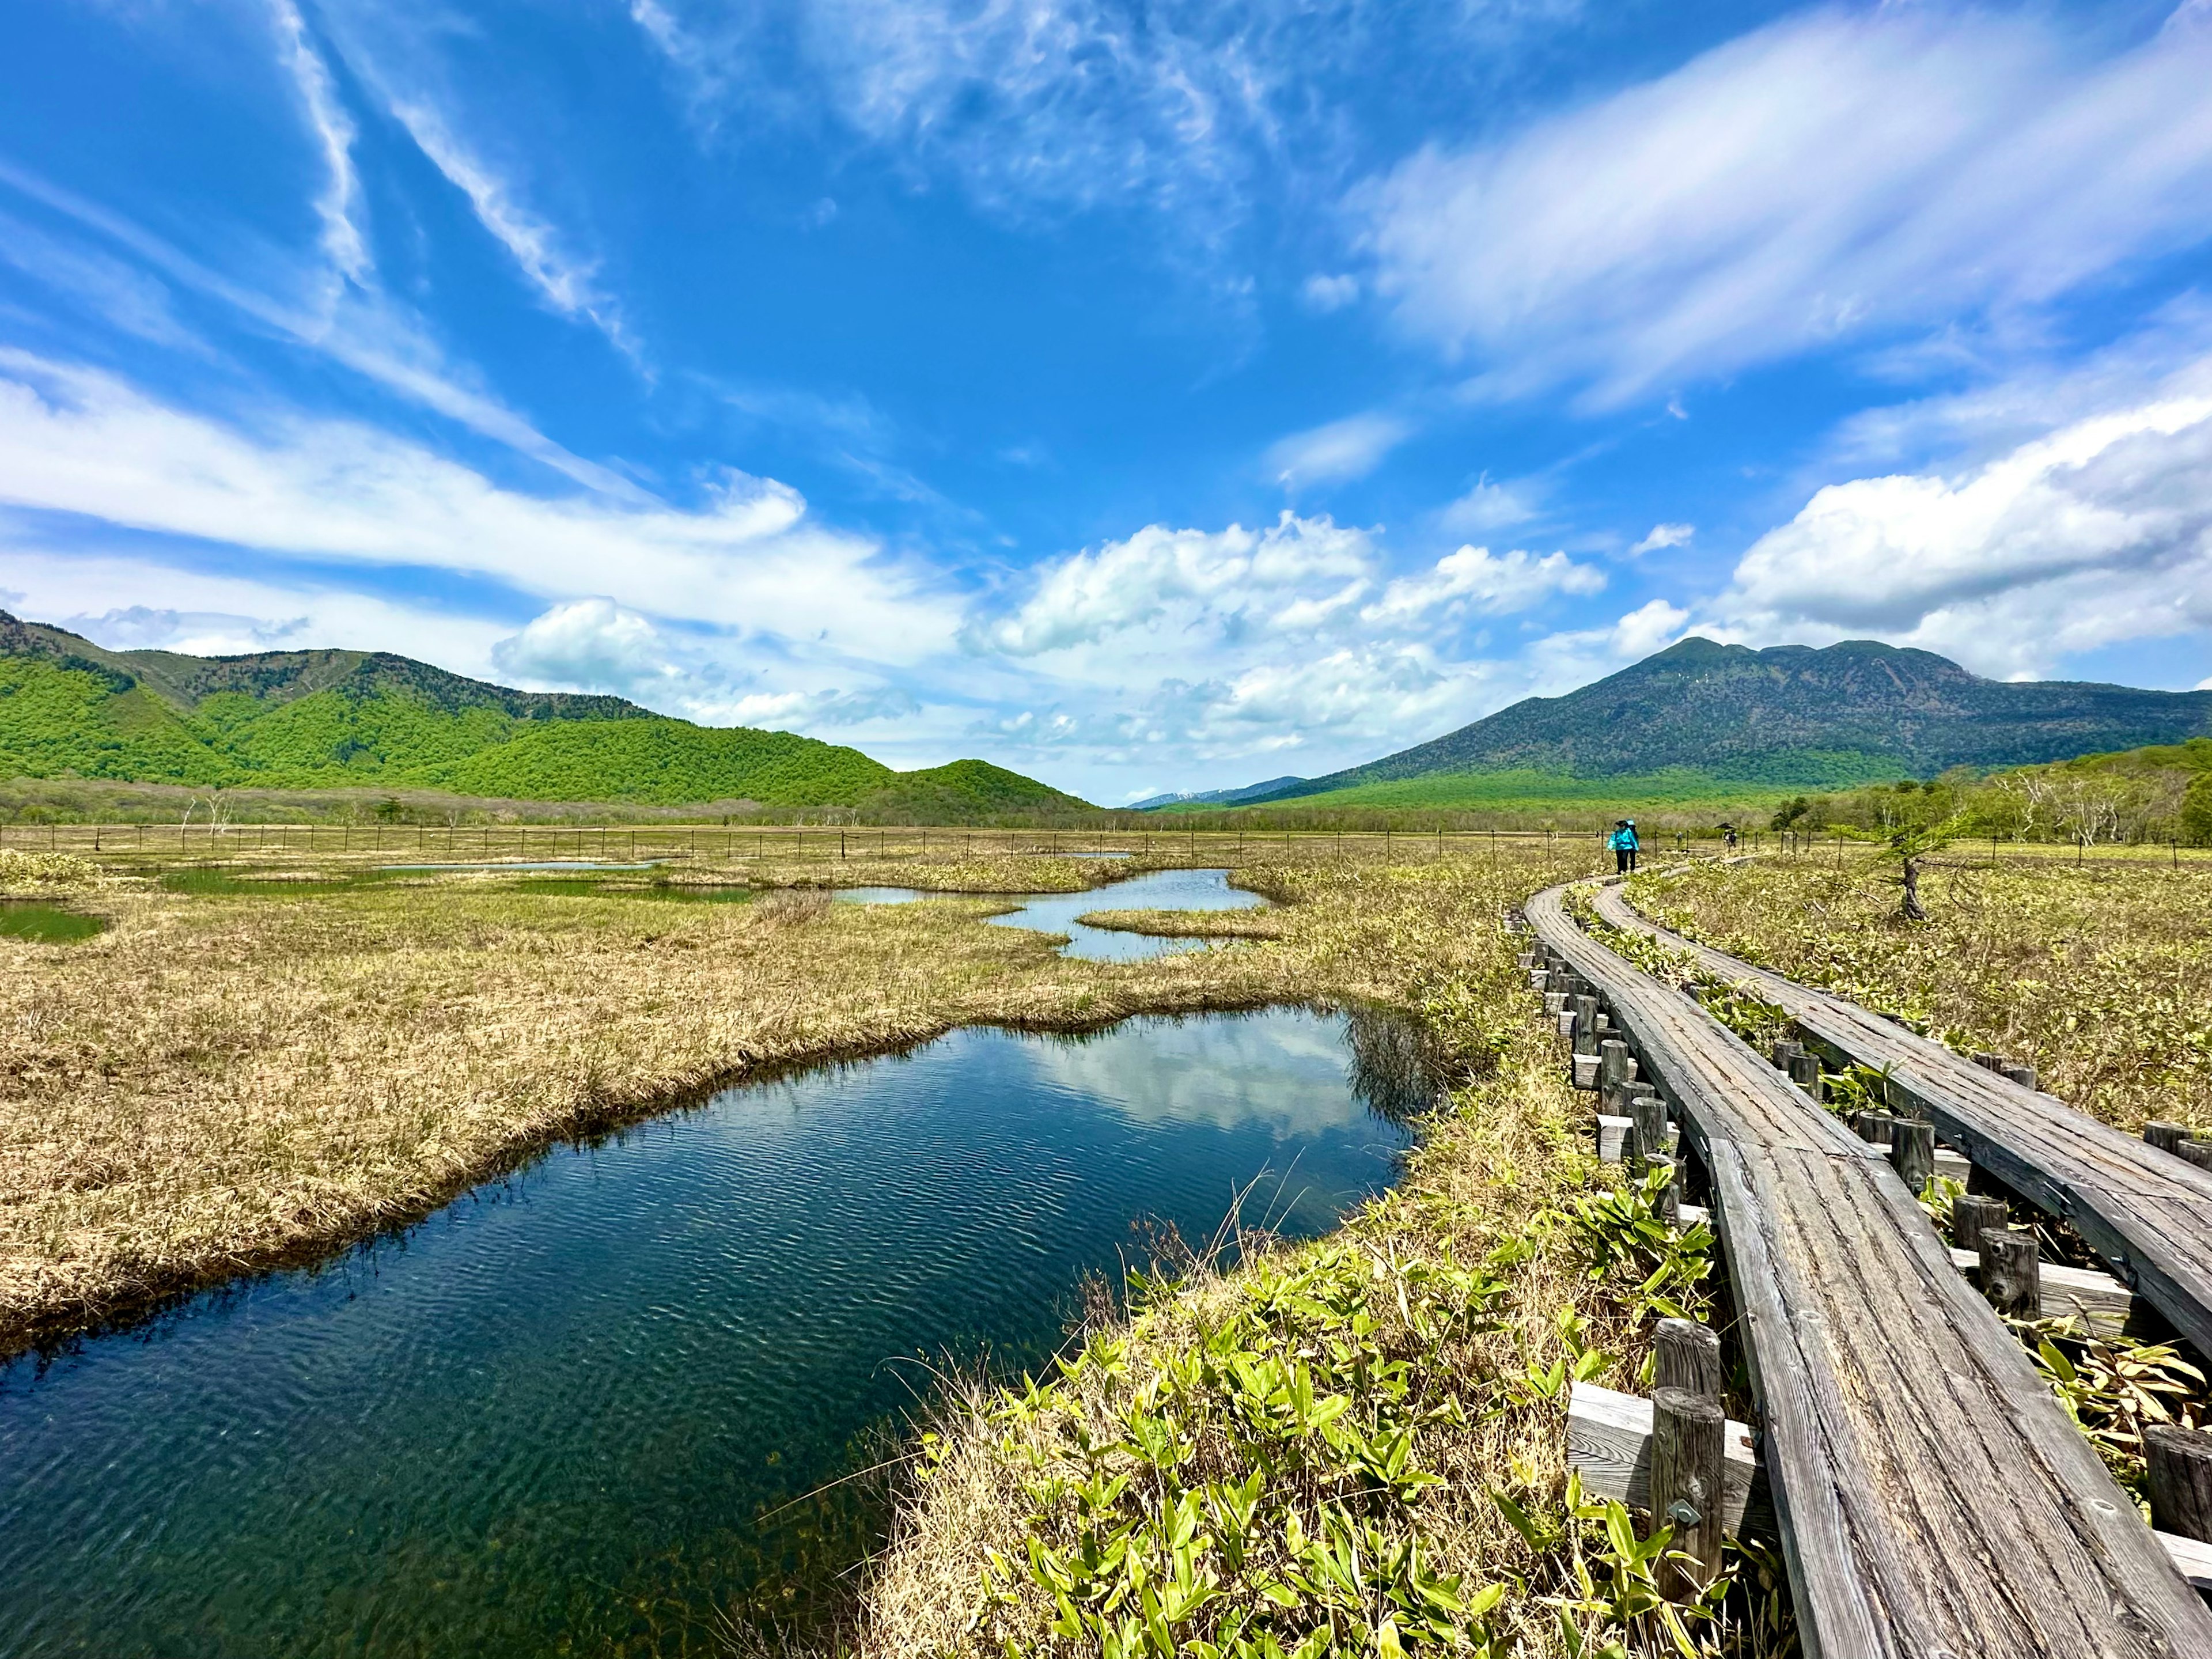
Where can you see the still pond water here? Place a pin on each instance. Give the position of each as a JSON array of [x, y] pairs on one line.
[[553, 1418], [1056, 913]]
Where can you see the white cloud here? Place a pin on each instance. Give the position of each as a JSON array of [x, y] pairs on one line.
[[334, 131], [2097, 532], [1342, 450], [1326, 293], [570, 284], [1490, 506], [78, 441], [1836, 173], [1185, 582], [352, 325], [589, 645], [1289, 645], [1560, 662], [1663, 535], [1475, 579], [221, 612]]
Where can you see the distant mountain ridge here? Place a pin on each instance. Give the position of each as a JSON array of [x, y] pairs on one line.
[[1789, 716], [349, 719], [1216, 797]]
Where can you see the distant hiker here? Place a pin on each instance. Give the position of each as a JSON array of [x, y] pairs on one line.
[[1624, 847], [1727, 834]]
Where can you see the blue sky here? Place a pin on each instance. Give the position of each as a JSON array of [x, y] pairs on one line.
[[1145, 397]]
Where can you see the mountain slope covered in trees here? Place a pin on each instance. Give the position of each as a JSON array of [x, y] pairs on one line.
[[350, 718]]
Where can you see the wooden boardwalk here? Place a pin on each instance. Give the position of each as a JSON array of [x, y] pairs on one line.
[[1934, 1500], [2146, 1213]]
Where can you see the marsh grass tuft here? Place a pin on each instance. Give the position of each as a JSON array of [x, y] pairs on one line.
[[2096, 976]]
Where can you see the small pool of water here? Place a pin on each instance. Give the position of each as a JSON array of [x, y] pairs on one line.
[[581, 1411], [1056, 913], [1161, 890], [46, 923]]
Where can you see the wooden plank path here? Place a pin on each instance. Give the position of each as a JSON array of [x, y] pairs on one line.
[[2146, 1213], [1934, 1500]]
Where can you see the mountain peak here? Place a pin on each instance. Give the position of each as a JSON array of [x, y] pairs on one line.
[[1794, 716]]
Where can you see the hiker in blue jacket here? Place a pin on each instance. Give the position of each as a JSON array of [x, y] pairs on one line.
[[1624, 847]]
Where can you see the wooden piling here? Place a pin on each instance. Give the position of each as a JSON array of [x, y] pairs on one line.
[[1687, 1455], [1973, 1215], [1647, 1135], [2180, 1463], [2198, 1153], [1686, 1355], [2166, 1136], [2023, 1075], [2011, 1273], [1912, 1150], [1805, 1073]]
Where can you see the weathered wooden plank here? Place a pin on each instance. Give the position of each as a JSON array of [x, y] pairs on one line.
[[1932, 1497], [2146, 1211]]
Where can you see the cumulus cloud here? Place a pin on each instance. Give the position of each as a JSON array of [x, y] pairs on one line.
[[1474, 578], [78, 441], [1211, 581], [1663, 535], [1242, 642], [1834, 174], [589, 645], [1342, 450], [1559, 662], [2097, 532]]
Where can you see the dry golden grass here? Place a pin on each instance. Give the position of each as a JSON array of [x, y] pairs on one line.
[[2095, 976], [222, 1082]]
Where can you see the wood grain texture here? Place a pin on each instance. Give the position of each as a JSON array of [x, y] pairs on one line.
[[1932, 1496], [2146, 1211]]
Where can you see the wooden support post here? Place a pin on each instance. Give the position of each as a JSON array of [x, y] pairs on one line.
[[2011, 1271], [1912, 1150], [1686, 1455], [1783, 1052], [2198, 1153], [1686, 1355], [2023, 1075], [2180, 1462], [1971, 1216], [1647, 1137], [1668, 1207], [2166, 1136], [1873, 1126], [1611, 1072], [1805, 1073]]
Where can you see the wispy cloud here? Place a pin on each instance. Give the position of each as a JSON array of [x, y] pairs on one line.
[[1663, 536], [359, 328], [570, 284], [76, 442], [334, 131], [1834, 176], [1342, 450]]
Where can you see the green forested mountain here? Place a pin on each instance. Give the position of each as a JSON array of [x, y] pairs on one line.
[[1699, 715], [349, 719]]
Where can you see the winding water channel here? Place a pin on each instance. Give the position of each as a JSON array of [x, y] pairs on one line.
[[567, 1413]]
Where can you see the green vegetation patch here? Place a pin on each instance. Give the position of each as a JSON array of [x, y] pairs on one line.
[[48, 924]]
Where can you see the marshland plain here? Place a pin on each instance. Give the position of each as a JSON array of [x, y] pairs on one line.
[[2095, 973]]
